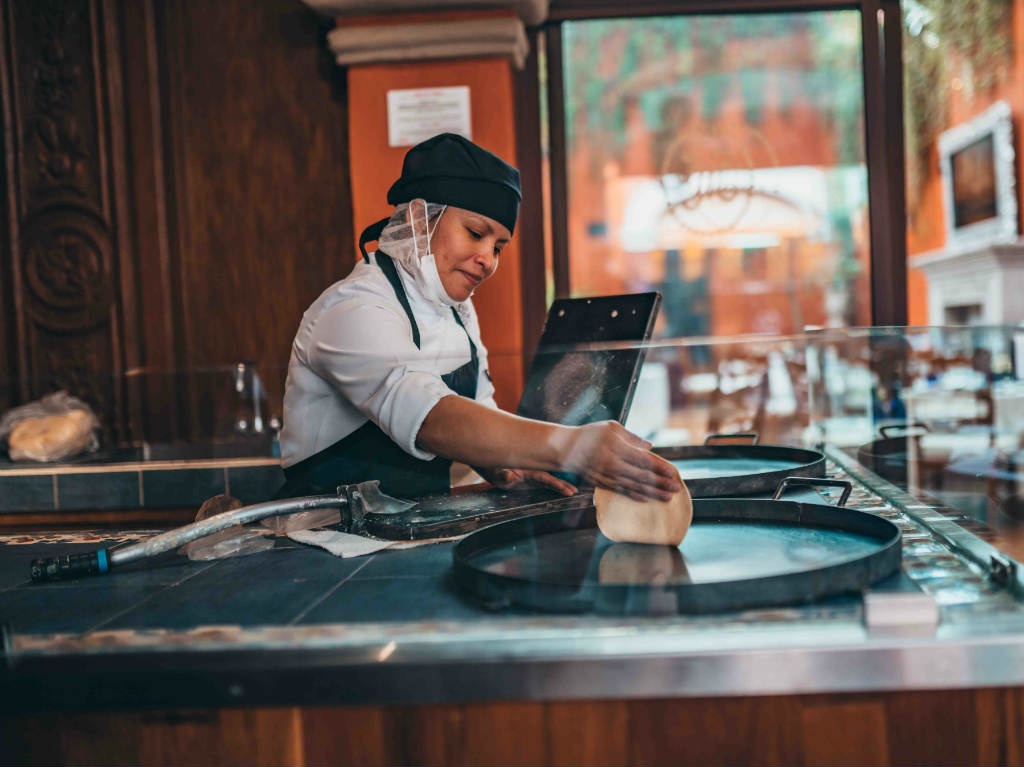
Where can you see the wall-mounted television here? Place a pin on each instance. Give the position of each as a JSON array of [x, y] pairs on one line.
[[979, 181]]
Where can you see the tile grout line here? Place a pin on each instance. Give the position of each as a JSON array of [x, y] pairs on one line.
[[392, 577], [56, 497], [142, 492], [128, 609], [316, 603]]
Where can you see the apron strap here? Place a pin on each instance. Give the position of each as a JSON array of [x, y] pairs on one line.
[[388, 267], [371, 233], [472, 346]]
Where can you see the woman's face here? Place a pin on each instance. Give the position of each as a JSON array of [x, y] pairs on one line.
[[466, 247]]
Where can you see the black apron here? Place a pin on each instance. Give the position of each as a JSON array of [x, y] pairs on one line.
[[368, 453]]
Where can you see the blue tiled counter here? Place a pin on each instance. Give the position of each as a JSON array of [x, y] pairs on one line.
[[136, 485]]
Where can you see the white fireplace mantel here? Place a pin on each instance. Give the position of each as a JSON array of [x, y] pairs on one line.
[[532, 12], [442, 38], [988, 276]]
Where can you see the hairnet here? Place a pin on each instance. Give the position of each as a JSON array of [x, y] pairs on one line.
[[405, 237]]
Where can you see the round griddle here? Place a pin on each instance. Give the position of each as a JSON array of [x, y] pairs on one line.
[[715, 470], [888, 456], [739, 553]]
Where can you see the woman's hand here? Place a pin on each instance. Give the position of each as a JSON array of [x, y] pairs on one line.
[[511, 479], [607, 455]]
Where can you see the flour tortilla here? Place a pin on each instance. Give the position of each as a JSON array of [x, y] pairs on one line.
[[623, 519]]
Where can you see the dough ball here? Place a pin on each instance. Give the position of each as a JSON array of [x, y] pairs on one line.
[[51, 437], [622, 519]]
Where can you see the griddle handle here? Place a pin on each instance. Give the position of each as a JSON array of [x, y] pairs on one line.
[[753, 436], [884, 430], [789, 482], [71, 566]]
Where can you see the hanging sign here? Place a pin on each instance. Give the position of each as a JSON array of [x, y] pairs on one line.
[[416, 114]]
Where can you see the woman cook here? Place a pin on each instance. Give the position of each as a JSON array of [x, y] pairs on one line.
[[388, 376]]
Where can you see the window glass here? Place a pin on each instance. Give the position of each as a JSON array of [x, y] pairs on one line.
[[720, 160]]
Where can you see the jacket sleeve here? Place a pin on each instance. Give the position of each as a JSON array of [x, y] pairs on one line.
[[366, 352]]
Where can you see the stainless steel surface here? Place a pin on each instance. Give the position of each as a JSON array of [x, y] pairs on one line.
[[949, 545], [545, 658]]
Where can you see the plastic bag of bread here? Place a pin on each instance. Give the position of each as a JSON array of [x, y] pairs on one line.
[[55, 427]]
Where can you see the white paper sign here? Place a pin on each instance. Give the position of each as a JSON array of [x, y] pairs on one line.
[[417, 114]]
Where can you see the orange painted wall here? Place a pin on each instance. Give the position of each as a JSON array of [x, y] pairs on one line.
[[926, 219], [375, 166]]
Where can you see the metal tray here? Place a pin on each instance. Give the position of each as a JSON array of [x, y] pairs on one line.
[[889, 455], [717, 470], [462, 510], [740, 553], [572, 384], [738, 470]]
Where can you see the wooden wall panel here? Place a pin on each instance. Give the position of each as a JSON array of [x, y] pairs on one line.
[[842, 733], [175, 194], [947, 727], [588, 732], [261, 216], [60, 245]]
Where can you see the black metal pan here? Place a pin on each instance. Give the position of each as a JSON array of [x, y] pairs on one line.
[[740, 553], [888, 457], [719, 470]]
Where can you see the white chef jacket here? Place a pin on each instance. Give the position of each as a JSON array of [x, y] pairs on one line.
[[353, 360]]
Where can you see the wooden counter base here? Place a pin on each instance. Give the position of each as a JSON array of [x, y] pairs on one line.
[[984, 726]]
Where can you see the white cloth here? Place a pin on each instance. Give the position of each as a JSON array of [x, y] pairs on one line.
[[354, 359], [347, 545]]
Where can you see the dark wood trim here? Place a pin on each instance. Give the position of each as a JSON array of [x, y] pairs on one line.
[[164, 351], [569, 10], [8, 317], [171, 46], [124, 332], [889, 289], [883, 120], [115, 519], [15, 345], [144, 246], [558, 157], [529, 157]]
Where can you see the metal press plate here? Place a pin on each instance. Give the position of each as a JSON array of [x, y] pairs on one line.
[[738, 554], [572, 384], [464, 509], [713, 471]]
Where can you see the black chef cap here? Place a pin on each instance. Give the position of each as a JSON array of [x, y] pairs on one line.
[[452, 170]]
